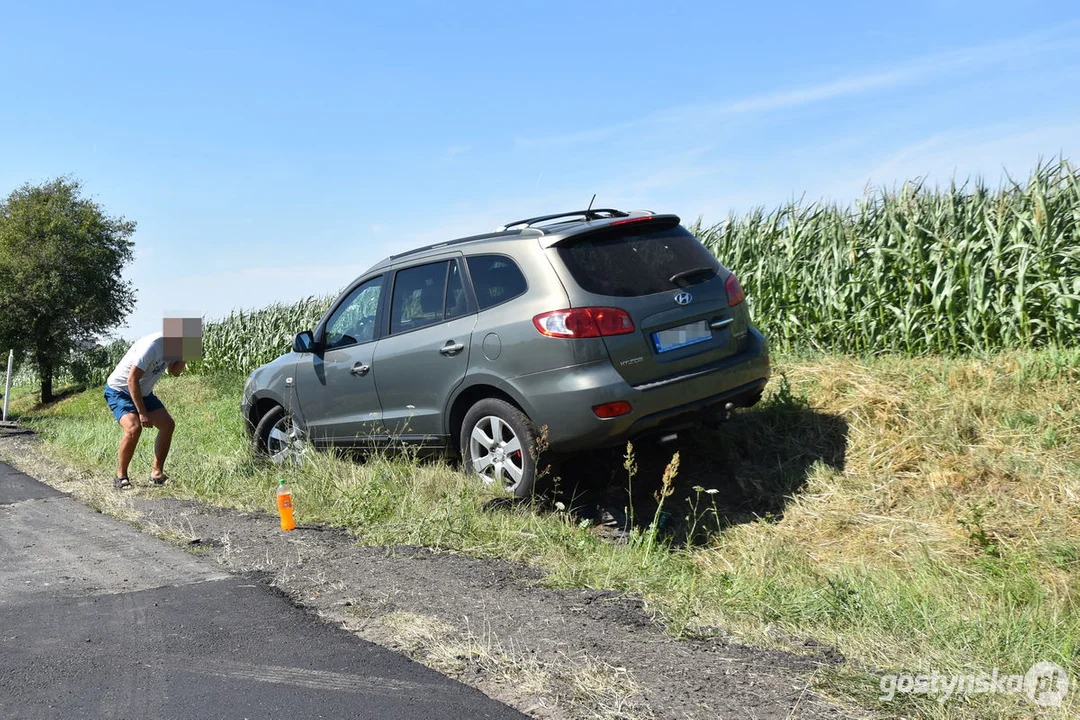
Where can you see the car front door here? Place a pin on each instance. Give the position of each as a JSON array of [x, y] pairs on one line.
[[335, 386], [426, 352]]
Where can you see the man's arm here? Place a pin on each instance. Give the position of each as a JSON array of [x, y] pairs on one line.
[[136, 395], [175, 368]]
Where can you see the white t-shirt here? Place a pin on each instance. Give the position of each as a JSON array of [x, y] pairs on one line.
[[148, 354]]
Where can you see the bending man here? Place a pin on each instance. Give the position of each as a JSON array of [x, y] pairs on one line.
[[129, 391]]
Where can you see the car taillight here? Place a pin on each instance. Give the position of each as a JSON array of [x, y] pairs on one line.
[[584, 322], [735, 294], [610, 410]]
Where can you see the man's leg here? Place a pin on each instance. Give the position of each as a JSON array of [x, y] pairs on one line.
[[129, 423], [165, 425]]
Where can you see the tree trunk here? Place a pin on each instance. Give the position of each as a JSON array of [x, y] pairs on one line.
[[46, 373]]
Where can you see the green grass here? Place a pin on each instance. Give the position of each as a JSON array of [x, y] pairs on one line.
[[917, 514]]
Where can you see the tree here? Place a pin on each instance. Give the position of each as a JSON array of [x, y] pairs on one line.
[[61, 259]]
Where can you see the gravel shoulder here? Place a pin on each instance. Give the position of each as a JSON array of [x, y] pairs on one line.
[[488, 623]]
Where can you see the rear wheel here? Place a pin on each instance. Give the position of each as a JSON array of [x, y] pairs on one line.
[[498, 444], [277, 438]]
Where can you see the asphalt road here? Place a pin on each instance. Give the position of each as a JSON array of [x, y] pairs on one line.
[[98, 620]]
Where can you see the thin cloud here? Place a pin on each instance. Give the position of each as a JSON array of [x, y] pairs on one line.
[[989, 152], [913, 71]]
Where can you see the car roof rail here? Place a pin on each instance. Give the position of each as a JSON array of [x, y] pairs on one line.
[[464, 240], [596, 214]]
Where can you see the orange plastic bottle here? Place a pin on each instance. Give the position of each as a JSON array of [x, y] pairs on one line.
[[284, 505]]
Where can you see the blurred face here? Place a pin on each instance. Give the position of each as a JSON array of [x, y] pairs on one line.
[[183, 338]]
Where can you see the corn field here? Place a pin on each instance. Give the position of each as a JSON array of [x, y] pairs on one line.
[[243, 341], [912, 271], [915, 271]]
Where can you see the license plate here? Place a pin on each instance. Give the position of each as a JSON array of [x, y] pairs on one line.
[[682, 336]]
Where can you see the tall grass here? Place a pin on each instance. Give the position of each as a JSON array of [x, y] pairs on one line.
[[916, 270]]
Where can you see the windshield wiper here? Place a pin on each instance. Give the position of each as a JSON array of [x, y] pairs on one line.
[[688, 273]]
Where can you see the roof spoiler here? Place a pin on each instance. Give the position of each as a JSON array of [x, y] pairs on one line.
[[633, 222]]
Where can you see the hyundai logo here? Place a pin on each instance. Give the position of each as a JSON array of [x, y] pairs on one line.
[[684, 298]]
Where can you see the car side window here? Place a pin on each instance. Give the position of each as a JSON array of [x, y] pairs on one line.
[[419, 297], [456, 302], [354, 319], [496, 279]]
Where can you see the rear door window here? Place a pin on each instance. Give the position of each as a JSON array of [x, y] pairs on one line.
[[419, 297], [496, 279], [620, 263], [457, 303]]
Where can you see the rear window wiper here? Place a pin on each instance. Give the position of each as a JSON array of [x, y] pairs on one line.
[[689, 273]]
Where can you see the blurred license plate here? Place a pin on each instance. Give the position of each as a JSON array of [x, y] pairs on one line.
[[677, 337]]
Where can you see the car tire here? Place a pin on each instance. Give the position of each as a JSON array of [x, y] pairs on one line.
[[498, 444], [276, 439]]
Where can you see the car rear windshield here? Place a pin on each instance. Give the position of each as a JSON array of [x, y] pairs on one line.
[[627, 263]]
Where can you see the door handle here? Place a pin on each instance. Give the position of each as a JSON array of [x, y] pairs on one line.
[[360, 369], [721, 324], [451, 348]]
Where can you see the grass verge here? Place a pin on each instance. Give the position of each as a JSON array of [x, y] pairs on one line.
[[920, 515]]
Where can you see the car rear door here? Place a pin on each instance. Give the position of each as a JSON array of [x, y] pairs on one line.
[[673, 288], [425, 351]]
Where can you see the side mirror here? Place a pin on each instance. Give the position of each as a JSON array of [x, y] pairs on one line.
[[304, 342]]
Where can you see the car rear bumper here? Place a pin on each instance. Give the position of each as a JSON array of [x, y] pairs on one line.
[[562, 400]]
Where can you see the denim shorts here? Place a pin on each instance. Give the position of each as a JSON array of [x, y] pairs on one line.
[[121, 403]]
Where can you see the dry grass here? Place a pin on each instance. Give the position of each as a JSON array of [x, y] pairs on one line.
[[926, 444], [947, 538]]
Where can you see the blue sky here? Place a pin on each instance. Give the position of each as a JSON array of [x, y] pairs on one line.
[[271, 151]]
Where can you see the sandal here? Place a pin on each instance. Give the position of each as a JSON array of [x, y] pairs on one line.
[[160, 480], [122, 483]]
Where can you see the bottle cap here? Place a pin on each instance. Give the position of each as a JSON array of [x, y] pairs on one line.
[[281, 481]]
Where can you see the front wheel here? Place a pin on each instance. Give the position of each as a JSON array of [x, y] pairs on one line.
[[277, 438], [498, 444]]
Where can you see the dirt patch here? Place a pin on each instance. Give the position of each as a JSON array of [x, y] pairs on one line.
[[489, 623]]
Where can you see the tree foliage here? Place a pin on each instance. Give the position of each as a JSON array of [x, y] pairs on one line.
[[61, 259]]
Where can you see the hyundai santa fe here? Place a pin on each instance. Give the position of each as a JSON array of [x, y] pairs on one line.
[[579, 330]]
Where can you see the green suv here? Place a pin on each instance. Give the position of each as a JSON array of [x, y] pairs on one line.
[[579, 330]]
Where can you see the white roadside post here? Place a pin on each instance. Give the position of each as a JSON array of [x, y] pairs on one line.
[[7, 384]]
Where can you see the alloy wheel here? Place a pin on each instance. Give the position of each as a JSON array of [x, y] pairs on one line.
[[284, 443], [496, 453]]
